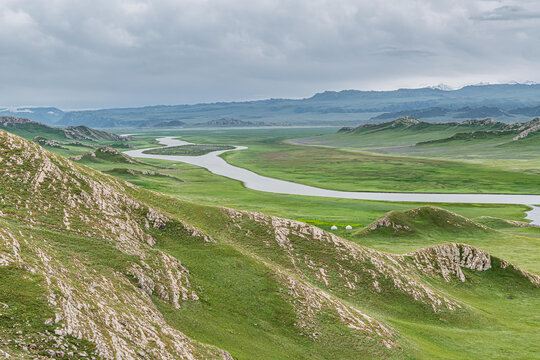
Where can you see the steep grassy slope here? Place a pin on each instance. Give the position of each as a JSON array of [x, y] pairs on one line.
[[135, 274]]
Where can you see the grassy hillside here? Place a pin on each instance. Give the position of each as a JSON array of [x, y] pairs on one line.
[[405, 231], [30, 129], [180, 280], [401, 132]]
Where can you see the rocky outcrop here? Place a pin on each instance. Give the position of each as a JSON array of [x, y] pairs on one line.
[[51, 143], [484, 122], [449, 260], [491, 219], [528, 129], [386, 222], [533, 278], [405, 121], [61, 189], [8, 121], [106, 151], [86, 133], [163, 276]]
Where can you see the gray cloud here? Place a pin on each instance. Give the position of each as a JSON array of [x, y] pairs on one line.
[[509, 13], [102, 53]]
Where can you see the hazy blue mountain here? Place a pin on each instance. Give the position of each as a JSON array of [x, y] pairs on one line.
[[527, 111], [506, 102], [46, 115]]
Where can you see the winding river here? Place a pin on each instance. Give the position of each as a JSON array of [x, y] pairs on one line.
[[215, 164]]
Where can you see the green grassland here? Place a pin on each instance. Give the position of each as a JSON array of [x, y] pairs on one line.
[[244, 311], [351, 171], [476, 145], [269, 154], [500, 307], [197, 185], [245, 308], [31, 130], [386, 135], [189, 150]]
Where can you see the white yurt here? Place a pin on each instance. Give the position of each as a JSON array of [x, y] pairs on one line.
[[334, 227], [348, 227]]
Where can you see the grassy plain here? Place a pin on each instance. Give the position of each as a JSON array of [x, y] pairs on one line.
[[189, 150], [270, 154]]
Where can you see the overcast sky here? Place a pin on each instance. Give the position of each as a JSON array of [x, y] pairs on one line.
[[106, 53]]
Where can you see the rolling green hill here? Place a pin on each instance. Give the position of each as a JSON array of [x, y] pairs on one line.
[[92, 266], [30, 129]]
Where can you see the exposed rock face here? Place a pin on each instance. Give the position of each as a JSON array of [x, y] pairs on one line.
[[10, 120], [527, 129], [350, 266], [509, 222], [45, 142], [448, 260], [164, 276], [407, 121], [86, 133], [533, 278], [484, 122], [97, 204], [386, 222]]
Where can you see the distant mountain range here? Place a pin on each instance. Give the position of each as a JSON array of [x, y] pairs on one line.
[[505, 102]]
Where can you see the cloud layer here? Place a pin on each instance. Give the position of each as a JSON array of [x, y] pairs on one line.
[[103, 53]]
